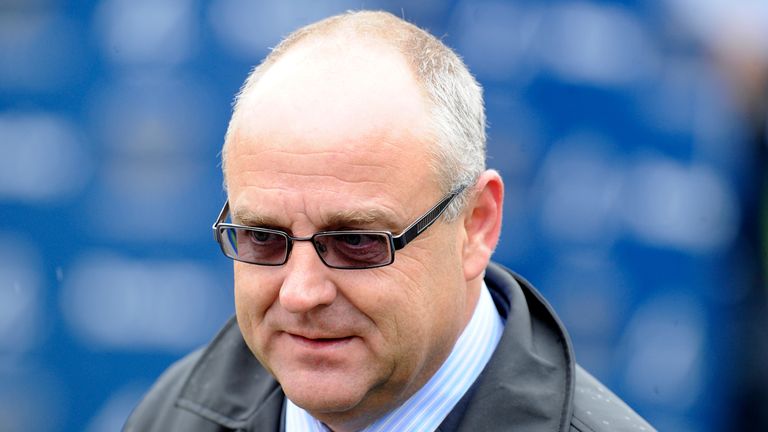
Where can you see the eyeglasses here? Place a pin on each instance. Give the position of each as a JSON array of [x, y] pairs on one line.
[[351, 249]]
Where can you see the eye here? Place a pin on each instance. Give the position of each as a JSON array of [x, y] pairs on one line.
[[264, 238], [352, 239], [261, 236], [261, 247], [354, 249], [361, 246]]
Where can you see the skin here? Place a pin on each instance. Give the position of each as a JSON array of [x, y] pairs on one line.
[[334, 136]]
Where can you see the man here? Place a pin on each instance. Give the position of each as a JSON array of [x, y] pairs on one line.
[[362, 225]]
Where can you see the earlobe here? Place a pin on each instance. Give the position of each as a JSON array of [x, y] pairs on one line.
[[482, 224]]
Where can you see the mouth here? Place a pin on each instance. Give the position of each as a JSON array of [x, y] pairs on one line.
[[321, 342]]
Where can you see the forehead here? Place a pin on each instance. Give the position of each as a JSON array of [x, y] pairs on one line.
[[331, 118], [330, 87]]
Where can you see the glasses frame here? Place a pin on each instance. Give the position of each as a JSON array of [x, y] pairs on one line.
[[396, 241]]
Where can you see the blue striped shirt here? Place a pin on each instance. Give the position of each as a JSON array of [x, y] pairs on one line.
[[428, 407]]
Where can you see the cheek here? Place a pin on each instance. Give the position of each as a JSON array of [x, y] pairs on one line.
[[399, 301], [415, 314], [434, 295], [255, 292]]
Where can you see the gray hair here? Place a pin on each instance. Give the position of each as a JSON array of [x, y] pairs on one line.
[[458, 155]]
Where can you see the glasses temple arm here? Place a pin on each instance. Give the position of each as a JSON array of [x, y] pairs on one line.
[[417, 227]]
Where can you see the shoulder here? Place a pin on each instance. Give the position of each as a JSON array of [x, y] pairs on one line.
[[158, 410], [163, 407], [220, 387], [597, 409]]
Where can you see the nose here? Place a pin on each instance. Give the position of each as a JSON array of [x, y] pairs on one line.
[[306, 284]]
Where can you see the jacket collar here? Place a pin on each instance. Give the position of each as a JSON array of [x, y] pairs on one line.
[[528, 382]]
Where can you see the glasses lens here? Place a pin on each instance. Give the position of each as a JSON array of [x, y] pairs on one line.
[[354, 250], [254, 245]]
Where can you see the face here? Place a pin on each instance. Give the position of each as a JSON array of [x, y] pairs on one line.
[[341, 144]]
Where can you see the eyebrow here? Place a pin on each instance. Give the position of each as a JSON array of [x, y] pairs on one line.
[[355, 218], [248, 217], [345, 218]]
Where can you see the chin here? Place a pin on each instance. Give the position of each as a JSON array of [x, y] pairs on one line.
[[318, 403]]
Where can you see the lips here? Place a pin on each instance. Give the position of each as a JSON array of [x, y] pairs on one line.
[[320, 342]]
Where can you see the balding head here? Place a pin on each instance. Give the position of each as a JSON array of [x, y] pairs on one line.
[[453, 96]]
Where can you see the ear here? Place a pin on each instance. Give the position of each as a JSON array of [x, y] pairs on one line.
[[482, 224]]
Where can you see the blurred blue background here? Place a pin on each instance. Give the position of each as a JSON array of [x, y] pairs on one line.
[[631, 136]]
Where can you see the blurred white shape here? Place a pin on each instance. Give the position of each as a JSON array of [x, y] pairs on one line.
[[690, 208], [493, 36], [155, 115], [729, 24], [664, 345], [579, 189], [20, 295], [113, 413], [589, 43], [249, 28], [39, 49], [43, 158], [146, 31], [112, 302]]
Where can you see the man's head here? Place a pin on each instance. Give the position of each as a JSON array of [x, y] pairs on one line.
[[454, 97], [361, 121]]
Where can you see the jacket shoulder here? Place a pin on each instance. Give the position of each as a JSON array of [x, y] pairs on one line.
[[597, 409], [158, 410]]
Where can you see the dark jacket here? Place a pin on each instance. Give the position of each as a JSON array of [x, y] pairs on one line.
[[531, 383]]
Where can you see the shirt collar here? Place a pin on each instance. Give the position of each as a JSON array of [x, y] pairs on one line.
[[426, 409]]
